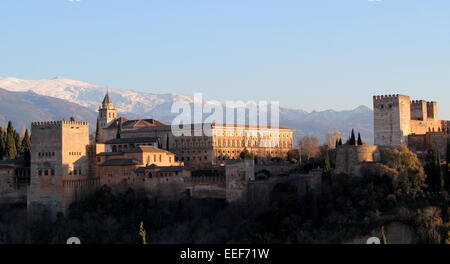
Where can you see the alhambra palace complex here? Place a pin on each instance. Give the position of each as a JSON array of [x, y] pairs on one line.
[[144, 154]]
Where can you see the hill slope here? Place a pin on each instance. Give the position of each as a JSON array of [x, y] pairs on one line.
[[25, 107]]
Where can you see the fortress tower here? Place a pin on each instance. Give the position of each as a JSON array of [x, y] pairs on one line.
[[59, 165], [396, 118], [392, 115]]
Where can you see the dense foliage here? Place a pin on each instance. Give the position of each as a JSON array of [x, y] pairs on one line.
[[12, 145]]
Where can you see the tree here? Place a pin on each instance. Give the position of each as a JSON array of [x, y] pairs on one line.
[[18, 143], [383, 236], [447, 167], [308, 146], [440, 176], [430, 170], [340, 141], [26, 141], [326, 175], [360, 142], [332, 138], [245, 154], [26, 146], [97, 131], [405, 170], [10, 148], [10, 142], [435, 178], [352, 140], [2, 143], [293, 155], [167, 143], [119, 128]]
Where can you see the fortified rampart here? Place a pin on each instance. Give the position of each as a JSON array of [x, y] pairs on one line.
[[349, 159]]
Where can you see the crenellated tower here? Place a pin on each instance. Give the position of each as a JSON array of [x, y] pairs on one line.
[[392, 115], [59, 165]]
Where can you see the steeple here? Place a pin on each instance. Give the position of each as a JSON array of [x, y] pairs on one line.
[[107, 112], [107, 102]]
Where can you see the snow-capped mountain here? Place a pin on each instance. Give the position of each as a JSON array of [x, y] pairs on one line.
[[133, 104], [90, 96]]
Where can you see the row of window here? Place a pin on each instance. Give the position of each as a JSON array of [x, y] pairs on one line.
[[240, 144], [110, 115], [46, 154], [250, 134], [75, 154], [75, 172], [439, 130], [46, 172], [163, 174], [195, 151], [119, 148], [52, 172], [200, 158]]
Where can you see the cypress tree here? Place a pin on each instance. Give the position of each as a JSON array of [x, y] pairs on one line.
[[26, 141], [2, 143], [119, 128], [439, 176], [26, 146], [383, 236], [18, 143], [447, 167], [431, 171], [340, 142], [10, 128], [352, 140], [10, 142], [167, 143], [326, 175], [360, 143], [97, 131], [11, 151]]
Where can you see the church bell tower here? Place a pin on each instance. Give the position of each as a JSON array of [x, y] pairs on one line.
[[107, 112]]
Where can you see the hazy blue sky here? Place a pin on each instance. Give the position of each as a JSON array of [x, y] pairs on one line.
[[315, 54]]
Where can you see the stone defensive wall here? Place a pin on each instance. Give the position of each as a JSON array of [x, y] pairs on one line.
[[349, 158]]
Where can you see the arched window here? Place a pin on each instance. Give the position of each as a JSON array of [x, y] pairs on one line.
[[114, 148]]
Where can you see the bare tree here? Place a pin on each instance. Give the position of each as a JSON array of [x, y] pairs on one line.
[[308, 146], [332, 137]]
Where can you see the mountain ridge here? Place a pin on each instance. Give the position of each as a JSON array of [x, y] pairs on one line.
[[135, 105]]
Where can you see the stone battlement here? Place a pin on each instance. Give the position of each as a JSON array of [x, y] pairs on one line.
[[418, 102], [386, 97], [58, 123]]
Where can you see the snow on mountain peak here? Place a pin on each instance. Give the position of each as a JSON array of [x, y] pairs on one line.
[[89, 95]]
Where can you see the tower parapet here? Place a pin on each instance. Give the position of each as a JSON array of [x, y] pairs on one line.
[[58, 123]]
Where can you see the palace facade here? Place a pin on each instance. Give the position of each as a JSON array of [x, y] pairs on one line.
[[196, 148]]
